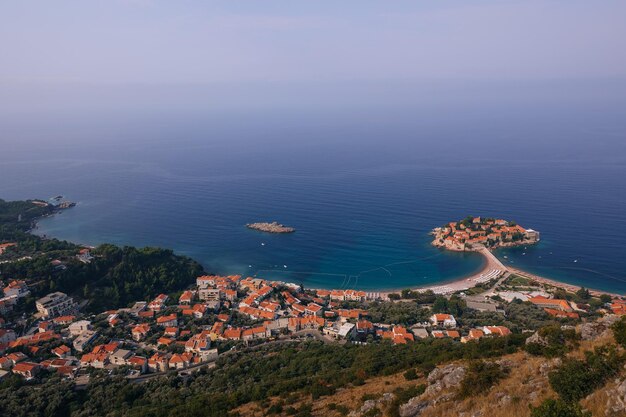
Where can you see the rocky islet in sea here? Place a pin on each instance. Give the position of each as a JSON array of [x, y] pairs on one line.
[[270, 227]]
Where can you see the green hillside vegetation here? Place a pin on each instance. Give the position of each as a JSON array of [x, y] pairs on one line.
[[312, 368], [115, 278]]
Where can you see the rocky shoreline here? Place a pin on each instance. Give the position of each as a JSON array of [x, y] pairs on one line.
[[53, 209], [273, 227]]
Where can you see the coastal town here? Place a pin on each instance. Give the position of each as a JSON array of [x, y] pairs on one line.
[[219, 313], [53, 330], [472, 233]]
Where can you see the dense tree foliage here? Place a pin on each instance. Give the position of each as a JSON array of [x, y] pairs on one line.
[[455, 305], [421, 297], [406, 313], [119, 276], [21, 399]]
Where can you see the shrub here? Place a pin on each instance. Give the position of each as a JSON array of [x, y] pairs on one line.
[[403, 396], [410, 375], [605, 298], [558, 408], [558, 341], [575, 379], [373, 412], [619, 331], [274, 409], [480, 377], [341, 409]]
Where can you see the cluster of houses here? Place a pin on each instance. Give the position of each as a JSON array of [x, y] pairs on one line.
[[553, 306], [492, 233], [618, 307], [445, 325], [12, 292], [173, 333]]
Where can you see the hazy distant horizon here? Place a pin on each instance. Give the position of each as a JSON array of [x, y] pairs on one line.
[[193, 41]]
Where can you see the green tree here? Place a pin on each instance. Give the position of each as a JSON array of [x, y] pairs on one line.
[[605, 298], [619, 331], [406, 293], [440, 305], [583, 293], [561, 294]]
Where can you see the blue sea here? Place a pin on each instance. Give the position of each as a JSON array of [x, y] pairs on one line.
[[363, 171]]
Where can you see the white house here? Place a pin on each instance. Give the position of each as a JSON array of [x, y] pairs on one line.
[[445, 320]]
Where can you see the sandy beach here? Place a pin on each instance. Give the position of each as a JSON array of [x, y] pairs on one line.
[[492, 269]]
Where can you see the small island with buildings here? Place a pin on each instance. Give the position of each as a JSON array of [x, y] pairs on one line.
[[273, 227], [473, 233]]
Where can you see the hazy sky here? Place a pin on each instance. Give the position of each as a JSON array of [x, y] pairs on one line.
[[174, 41]]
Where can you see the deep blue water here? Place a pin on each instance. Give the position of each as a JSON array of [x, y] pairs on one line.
[[362, 179]]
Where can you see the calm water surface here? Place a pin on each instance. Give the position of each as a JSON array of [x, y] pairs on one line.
[[362, 184]]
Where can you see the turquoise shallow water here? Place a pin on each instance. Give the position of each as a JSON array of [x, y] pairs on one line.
[[362, 192]]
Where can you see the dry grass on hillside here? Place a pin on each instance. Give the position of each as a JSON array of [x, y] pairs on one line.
[[527, 384], [351, 397]]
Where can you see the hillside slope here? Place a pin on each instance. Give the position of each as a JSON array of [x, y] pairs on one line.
[[524, 382]]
